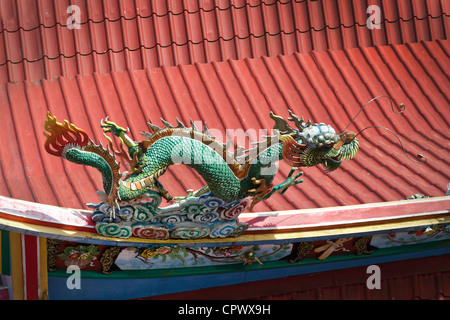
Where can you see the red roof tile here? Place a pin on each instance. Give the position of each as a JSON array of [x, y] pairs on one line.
[[116, 35], [326, 86]]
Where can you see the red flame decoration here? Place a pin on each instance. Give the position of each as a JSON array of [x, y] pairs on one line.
[[61, 135]]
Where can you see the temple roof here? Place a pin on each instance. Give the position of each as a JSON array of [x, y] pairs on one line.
[[229, 85]]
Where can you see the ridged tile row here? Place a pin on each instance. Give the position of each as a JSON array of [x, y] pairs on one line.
[[328, 87], [37, 42]]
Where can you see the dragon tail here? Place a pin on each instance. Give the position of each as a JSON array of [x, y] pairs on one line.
[[72, 143]]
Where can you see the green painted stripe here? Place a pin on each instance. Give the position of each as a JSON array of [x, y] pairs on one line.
[[5, 261]]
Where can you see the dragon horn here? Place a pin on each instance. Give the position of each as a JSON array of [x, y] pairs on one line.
[[299, 122]]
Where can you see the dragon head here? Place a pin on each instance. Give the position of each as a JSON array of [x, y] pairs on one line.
[[312, 144]]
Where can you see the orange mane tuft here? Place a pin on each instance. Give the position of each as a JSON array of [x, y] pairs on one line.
[[61, 135]]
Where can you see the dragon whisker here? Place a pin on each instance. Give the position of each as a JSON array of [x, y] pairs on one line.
[[418, 156]]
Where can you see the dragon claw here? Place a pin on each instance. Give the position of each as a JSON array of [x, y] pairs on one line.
[[291, 172], [109, 126], [264, 192], [290, 181]]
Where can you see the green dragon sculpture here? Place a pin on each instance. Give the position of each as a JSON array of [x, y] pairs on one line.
[[232, 178]]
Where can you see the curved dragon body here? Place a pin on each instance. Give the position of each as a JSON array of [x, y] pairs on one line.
[[172, 150], [229, 176]]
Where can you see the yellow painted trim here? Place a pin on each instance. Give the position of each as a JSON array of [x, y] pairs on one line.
[[16, 265], [329, 233], [43, 268]]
